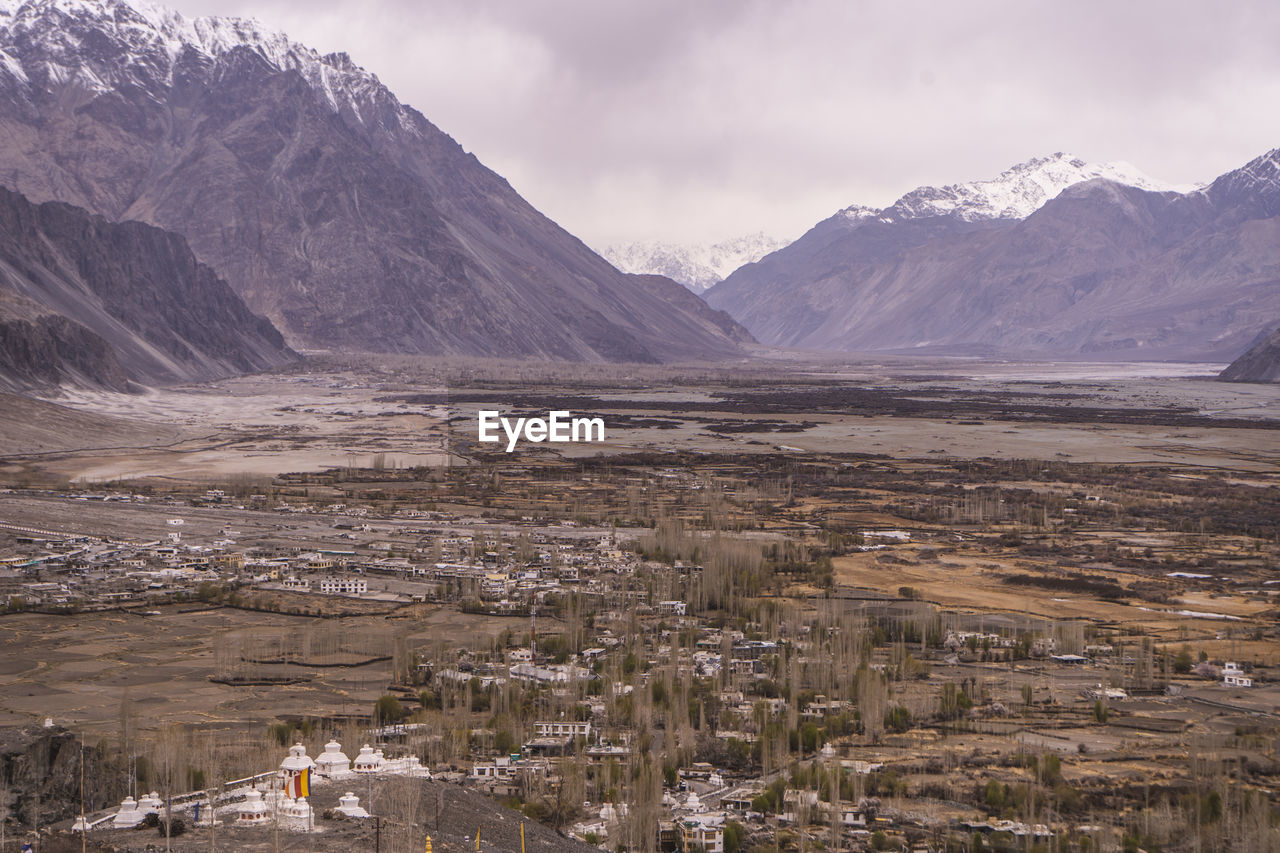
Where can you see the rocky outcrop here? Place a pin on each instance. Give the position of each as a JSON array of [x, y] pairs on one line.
[[84, 301], [40, 773], [52, 350], [1259, 363]]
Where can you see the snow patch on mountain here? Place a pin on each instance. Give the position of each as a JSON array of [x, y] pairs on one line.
[[856, 213], [696, 266]]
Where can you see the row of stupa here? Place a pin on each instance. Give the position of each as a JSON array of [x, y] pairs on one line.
[[260, 807], [333, 763]]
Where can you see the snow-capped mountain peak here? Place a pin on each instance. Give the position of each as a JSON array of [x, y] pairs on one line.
[[147, 41], [696, 266], [1015, 193]]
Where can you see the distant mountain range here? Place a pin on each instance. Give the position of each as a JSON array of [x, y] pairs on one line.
[[353, 223], [697, 266], [1054, 258], [341, 214], [84, 301]]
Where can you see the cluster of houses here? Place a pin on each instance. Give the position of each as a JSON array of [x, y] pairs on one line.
[[411, 564], [84, 572]]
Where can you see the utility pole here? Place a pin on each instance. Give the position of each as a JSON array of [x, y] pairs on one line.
[[84, 824], [275, 831]]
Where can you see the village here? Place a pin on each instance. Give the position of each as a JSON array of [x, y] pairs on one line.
[[644, 658]]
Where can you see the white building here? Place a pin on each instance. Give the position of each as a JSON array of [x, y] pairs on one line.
[[504, 769], [563, 728], [703, 831], [501, 768], [555, 674], [1233, 676], [344, 586]]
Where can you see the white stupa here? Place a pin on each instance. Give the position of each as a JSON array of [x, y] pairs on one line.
[[207, 813], [129, 815], [693, 804], [408, 765], [297, 760], [294, 764], [149, 804], [333, 761], [349, 805], [369, 761], [294, 811], [253, 810]]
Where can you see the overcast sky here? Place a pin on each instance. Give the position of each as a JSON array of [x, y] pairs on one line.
[[692, 120]]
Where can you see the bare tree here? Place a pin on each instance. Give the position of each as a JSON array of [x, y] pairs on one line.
[[873, 701], [167, 752], [4, 803], [402, 797], [128, 732], [214, 767]]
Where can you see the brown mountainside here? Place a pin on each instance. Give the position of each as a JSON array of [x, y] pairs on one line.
[[85, 301]]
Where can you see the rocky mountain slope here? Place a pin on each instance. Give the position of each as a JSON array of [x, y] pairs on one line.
[[341, 214], [1055, 258], [85, 301], [697, 266], [1259, 363]]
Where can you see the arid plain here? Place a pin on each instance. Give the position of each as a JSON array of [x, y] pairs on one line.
[[968, 574]]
